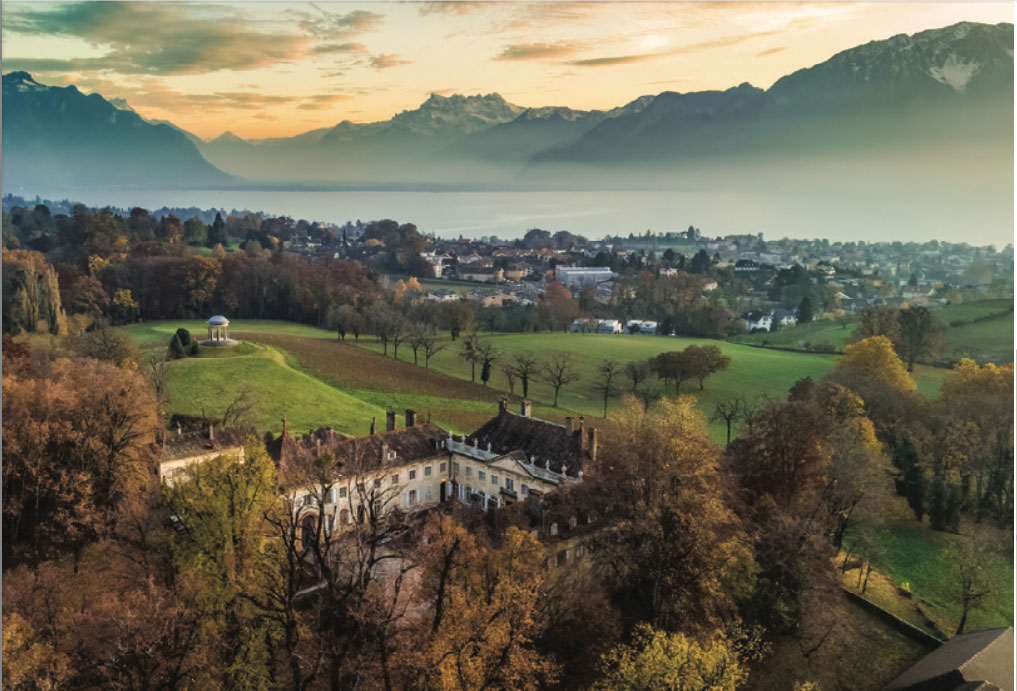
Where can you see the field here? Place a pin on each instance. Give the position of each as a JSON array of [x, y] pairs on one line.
[[988, 340], [754, 372]]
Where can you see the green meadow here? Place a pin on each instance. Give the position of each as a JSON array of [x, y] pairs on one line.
[[987, 340]]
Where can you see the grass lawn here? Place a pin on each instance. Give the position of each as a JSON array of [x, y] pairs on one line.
[[754, 372], [154, 333], [208, 385], [986, 341]]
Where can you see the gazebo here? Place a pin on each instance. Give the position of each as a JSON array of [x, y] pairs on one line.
[[219, 331]]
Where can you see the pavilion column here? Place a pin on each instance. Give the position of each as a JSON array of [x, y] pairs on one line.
[[210, 333]]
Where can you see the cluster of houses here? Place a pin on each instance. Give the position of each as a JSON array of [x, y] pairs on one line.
[[612, 326], [760, 320]]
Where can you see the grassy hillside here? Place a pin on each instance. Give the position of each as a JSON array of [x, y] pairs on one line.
[[981, 330], [754, 372]]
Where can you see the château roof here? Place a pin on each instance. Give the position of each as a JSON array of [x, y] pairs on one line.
[[545, 441], [963, 662], [200, 442]]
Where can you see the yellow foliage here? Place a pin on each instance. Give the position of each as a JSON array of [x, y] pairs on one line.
[[874, 360], [96, 265], [28, 662]]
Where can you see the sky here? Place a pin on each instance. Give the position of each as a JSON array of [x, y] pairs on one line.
[[278, 69]]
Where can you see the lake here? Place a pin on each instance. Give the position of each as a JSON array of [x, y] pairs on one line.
[[790, 212]]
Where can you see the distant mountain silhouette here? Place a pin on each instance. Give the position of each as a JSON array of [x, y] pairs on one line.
[[947, 91], [59, 137]]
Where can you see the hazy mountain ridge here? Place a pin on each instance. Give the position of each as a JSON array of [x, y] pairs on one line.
[[952, 86], [60, 136]]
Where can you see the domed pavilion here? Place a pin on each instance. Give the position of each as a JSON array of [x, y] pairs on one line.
[[218, 332]]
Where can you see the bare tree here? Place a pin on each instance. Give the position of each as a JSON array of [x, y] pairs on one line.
[[469, 353], [728, 411], [974, 583], [486, 356], [526, 367], [158, 369], [606, 385], [419, 332], [431, 348], [509, 370], [238, 411], [558, 372], [637, 372]]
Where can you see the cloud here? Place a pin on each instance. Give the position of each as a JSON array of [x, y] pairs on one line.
[[770, 51], [615, 60], [322, 101], [456, 7], [158, 38], [538, 51], [384, 61], [334, 25], [266, 116], [724, 42], [325, 48]]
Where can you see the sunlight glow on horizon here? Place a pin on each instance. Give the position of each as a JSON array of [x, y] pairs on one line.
[[280, 69]]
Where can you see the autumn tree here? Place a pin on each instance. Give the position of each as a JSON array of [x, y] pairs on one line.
[[676, 551], [110, 345], [705, 360], [559, 306], [877, 320], [558, 372], [478, 614], [974, 583], [225, 540], [657, 659]]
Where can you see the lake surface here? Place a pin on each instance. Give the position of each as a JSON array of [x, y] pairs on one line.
[[835, 214]]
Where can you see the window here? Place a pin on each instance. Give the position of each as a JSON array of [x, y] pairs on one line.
[[469, 493], [524, 490], [427, 493], [328, 525], [411, 497], [427, 471], [510, 484], [413, 474], [395, 479], [462, 493], [377, 483], [469, 471], [494, 479], [480, 475], [360, 487], [455, 468], [563, 557], [441, 468], [377, 509], [330, 497], [342, 492], [308, 499]]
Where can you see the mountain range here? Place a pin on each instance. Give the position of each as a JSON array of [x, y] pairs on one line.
[[949, 90]]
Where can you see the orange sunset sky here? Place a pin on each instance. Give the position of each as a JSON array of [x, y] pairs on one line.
[[278, 69]]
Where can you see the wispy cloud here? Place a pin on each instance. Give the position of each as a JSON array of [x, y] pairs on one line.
[[385, 61], [333, 25], [615, 60], [325, 48], [770, 51], [538, 51], [322, 101], [157, 38], [456, 7], [266, 116]]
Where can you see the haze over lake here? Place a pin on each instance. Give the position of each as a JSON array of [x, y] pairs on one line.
[[792, 212]]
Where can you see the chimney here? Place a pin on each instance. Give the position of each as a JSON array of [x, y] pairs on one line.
[[592, 447], [374, 426], [526, 409], [211, 432], [582, 432], [384, 452], [568, 425], [180, 430], [390, 421], [411, 418], [502, 405], [317, 446], [284, 435]]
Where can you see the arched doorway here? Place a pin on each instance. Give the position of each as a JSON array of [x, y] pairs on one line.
[[308, 529]]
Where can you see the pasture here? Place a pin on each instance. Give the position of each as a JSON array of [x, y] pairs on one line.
[[981, 330]]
